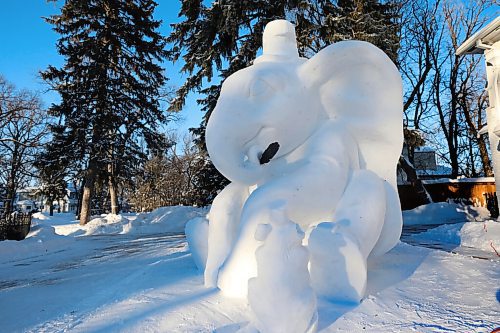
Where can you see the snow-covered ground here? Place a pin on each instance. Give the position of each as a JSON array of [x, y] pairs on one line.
[[134, 273]]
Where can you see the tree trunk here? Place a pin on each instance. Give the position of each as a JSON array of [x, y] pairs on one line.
[[11, 197], [113, 195], [423, 196], [88, 188], [51, 207], [8, 205], [485, 159], [11, 190], [453, 161], [79, 193], [12, 179]]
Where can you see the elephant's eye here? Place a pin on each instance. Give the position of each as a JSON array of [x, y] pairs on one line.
[[259, 87]]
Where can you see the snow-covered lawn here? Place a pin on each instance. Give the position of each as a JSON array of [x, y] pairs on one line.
[[135, 274]]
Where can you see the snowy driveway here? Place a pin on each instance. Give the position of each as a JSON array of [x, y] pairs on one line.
[[415, 235], [63, 289], [148, 283]]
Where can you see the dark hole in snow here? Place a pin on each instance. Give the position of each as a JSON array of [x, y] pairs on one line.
[[269, 153]]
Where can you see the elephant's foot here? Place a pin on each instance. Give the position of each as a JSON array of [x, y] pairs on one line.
[[224, 219], [233, 278], [337, 266]]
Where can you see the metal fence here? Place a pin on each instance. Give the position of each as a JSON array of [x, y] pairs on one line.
[[15, 226]]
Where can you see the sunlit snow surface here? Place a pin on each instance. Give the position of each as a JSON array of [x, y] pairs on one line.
[[147, 282]]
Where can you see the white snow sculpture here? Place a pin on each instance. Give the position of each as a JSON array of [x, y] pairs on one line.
[[196, 231], [323, 137]]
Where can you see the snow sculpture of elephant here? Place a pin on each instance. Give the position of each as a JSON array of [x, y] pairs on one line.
[[320, 139]]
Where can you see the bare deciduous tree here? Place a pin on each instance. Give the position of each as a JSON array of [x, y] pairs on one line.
[[23, 130], [444, 95], [455, 83], [171, 178]]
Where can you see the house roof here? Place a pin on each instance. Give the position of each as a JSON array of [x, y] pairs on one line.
[[488, 35], [25, 203]]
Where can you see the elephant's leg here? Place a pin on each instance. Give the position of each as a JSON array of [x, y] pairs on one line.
[[339, 250], [306, 196], [391, 232], [224, 218]]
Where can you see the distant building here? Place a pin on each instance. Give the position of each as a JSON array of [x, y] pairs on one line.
[[33, 194], [70, 201], [26, 206], [424, 159], [425, 164]]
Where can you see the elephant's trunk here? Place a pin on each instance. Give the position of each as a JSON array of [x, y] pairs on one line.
[[231, 149]]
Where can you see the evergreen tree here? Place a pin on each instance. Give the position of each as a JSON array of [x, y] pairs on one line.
[[110, 86], [324, 22], [216, 40], [52, 171]]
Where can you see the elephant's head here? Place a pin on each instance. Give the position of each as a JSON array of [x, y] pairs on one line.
[[264, 111], [270, 108]]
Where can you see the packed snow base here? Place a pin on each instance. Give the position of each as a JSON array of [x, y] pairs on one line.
[[146, 281]]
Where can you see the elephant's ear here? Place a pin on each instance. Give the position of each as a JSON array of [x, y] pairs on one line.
[[360, 87]]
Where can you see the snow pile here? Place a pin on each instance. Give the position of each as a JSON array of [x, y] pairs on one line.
[[484, 236], [443, 212], [54, 233], [39, 216], [106, 224], [459, 180], [160, 220], [480, 235], [164, 219], [41, 239]]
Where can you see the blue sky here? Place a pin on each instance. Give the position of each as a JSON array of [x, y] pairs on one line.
[[27, 45]]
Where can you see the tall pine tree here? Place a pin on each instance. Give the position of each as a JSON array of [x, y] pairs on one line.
[[323, 22], [52, 169], [216, 40], [110, 86]]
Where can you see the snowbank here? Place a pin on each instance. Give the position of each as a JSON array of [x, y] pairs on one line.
[[41, 239], [161, 220], [459, 180], [480, 235], [40, 216], [53, 233], [106, 224], [443, 212]]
